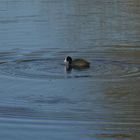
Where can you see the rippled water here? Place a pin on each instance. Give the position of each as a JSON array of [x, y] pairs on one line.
[[38, 65], [40, 99]]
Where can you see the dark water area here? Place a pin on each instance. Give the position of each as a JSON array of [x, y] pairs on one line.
[[40, 99]]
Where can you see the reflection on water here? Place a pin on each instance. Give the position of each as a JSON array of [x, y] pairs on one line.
[[39, 99], [41, 66]]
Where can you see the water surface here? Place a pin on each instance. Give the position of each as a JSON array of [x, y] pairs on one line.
[[40, 99]]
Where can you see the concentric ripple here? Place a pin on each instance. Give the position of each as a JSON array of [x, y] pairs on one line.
[[53, 68]]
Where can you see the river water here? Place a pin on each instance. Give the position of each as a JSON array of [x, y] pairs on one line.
[[40, 99]]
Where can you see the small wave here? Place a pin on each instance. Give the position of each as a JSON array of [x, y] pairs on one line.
[[42, 67]]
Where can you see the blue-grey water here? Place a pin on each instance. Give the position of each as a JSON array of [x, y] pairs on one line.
[[39, 99]]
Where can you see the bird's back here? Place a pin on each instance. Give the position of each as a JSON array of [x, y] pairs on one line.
[[80, 63]]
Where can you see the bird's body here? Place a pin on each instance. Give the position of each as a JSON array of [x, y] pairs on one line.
[[76, 63], [80, 63]]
